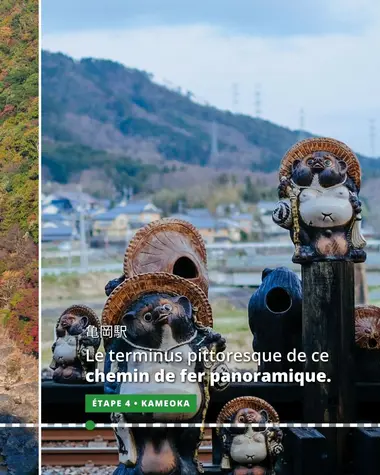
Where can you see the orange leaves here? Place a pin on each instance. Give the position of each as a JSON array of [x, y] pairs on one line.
[[5, 34]]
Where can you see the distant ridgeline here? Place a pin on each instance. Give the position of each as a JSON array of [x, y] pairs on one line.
[[99, 114], [19, 170]]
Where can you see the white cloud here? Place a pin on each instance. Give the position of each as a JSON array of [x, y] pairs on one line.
[[334, 78]]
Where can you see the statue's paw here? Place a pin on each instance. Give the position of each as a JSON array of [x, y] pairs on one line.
[[303, 255], [356, 204], [358, 255], [282, 215], [117, 418], [283, 188], [218, 342]]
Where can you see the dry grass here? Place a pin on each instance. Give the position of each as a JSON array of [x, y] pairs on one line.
[[71, 287], [19, 382]]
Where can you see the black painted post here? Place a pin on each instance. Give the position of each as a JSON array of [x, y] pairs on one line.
[[306, 452], [329, 326], [366, 451]]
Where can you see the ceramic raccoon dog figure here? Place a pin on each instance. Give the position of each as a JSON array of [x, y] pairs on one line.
[[319, 187], [165, 316]]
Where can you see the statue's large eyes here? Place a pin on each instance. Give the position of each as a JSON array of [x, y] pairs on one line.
[[168, 307], [328, 162], [310, 162], [241, 419], [148, 317]]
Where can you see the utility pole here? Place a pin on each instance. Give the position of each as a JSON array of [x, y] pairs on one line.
[[235, 97], [125, 197], [301, 134], [83, 244], [258, 100], [82, 233], [372, 137], [73, 226], [214, 142]]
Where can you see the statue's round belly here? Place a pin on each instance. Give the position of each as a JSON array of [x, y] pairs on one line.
[[175, 388], [326, 212], [248, 451], [65, 352]]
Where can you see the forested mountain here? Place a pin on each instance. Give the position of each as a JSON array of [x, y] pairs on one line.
[[104, 112], [19, 170]]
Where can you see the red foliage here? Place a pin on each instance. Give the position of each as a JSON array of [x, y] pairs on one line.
[[23, 322], [19, 289], [7, 109]]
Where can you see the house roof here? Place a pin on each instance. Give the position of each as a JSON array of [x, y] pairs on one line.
[[56, 232], [199, 213], [230, 223], [202, 222], [247, 216], [52, 217], [74, 197], [134, 207]]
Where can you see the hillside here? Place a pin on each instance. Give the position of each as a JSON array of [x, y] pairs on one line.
[[105, 122], [105, 106], [19, 115], [19, 171]]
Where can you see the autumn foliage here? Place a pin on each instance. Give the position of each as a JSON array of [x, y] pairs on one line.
[[19, 171]]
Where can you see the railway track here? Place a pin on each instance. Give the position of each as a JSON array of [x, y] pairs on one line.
[[81, 447]]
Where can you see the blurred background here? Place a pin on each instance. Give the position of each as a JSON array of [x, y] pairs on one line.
[[186, 111]]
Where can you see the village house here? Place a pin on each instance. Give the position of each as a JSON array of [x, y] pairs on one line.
[[71, 201], [121, 223], [211, 229], [245, 221], [56, 232], [56, 227]]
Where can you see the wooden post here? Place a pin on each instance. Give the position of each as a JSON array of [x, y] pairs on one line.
[[361, 287], [328, 326]]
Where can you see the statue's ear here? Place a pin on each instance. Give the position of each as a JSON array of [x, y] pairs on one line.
[[84, 321], [265, 416], [343, 166], [295, 164], [185, 303], [127, 317], [112, 284], [266, 272]]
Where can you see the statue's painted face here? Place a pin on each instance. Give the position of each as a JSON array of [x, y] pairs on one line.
[[319, 161], [72, 324], [144, 319], [249, 416], [329, 169]]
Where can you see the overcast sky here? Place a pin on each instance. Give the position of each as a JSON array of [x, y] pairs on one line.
[[319, 55]]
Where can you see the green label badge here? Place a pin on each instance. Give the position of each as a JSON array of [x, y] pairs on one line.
[[141, 403]]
